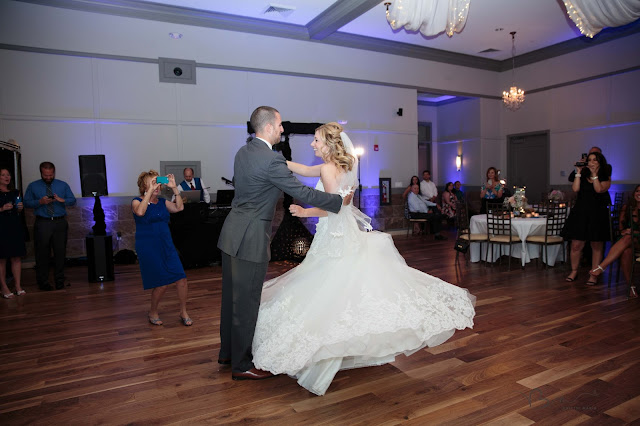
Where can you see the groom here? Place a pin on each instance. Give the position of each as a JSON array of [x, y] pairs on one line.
[[260, 176]]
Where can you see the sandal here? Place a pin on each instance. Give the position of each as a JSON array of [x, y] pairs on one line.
[[187, 322], [597, 271], [8, 296], [20, 293], [569, 279], [155, 321], [592, 283]]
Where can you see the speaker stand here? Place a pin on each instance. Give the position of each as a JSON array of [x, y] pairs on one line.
[[100, 257]]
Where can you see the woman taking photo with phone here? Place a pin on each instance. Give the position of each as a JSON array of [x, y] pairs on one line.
[[589, 217], [491, 189], [159, 261]]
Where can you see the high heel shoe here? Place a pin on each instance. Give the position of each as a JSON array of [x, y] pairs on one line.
[[597, 271], [632, 292], [569, 279]]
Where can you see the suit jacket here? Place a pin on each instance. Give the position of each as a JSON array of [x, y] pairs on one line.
[[260, 176]]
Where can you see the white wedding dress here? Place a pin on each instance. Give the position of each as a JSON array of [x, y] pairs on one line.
[[353, 302]]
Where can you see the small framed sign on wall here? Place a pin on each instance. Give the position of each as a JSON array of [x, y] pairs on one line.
[[385, 191]]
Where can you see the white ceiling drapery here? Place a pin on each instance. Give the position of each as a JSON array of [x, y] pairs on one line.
[[591, 16], [430, 17]]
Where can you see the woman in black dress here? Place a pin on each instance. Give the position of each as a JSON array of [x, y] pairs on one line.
[[589, 218], [12, 242]]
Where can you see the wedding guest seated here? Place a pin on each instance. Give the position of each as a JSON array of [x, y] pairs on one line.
[[449, 201], [415, 180], [458, 192], [419, 208], [428, 188], [628, 242]]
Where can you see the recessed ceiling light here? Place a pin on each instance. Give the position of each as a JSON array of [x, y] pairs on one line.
[[175, 35]]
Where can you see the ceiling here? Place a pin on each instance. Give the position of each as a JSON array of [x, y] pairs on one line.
[[538, 23]]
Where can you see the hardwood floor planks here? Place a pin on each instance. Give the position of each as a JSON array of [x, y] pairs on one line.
[[541, 351]]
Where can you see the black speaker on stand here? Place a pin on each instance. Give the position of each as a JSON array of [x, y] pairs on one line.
[[93, 175], [93, 179]]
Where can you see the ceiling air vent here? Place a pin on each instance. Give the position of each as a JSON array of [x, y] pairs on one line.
[[489, 50], [279, 9]]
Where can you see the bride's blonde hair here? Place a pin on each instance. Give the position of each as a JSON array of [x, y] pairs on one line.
[[336, 154]]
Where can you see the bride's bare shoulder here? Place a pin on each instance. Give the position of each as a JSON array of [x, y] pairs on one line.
[[329, 170]]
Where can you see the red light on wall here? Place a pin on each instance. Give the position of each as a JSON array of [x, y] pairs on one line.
[[375, 147]]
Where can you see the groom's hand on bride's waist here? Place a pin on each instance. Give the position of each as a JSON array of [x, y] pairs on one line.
[[346, 199]]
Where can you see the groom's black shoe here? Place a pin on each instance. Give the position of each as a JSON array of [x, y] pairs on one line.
[[253, 374], [224, 361]]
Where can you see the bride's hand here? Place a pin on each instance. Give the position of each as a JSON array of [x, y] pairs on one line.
[[347, 199], [296, 210]]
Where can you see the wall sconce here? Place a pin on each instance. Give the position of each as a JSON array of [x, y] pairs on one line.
[[459, 162]]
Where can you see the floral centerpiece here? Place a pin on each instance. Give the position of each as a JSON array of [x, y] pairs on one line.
[[517, 201], [556, 195]]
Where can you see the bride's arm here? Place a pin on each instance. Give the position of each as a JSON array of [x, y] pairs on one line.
[[329, 176], [303, 170]]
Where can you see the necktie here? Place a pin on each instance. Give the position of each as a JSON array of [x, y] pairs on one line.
[[50, 210], [192, 187]]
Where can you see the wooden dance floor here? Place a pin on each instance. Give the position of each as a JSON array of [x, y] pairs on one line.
[[542, 350]]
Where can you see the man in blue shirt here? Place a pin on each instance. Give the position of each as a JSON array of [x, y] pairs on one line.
[[49, 197]]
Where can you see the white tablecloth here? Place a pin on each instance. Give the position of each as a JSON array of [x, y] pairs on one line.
[[522, 227]]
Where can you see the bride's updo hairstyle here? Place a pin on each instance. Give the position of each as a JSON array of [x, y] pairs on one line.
[[336, 153]]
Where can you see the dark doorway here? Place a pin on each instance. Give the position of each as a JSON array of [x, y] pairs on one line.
[[528, 163]]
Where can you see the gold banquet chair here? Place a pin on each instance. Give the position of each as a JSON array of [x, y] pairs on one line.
[[411, 220], [499, 229], [556, 217], [463, 230]]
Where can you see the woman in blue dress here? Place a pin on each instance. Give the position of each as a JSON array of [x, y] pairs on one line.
[[158, 258]]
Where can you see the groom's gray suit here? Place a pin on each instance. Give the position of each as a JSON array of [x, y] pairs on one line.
[[260, 176]]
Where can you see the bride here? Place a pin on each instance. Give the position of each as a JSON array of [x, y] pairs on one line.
[[353, 302]]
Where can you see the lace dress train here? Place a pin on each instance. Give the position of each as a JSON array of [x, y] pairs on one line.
[[353, 302]]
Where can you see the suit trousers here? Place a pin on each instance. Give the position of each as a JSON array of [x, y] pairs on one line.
[[241, 291], [435, 220], [48, 234]]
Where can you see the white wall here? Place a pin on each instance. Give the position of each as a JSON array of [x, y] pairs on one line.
[[602, 112], [59, 106]]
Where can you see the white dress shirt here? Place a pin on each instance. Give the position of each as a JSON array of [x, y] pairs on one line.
[[205, 192], [428, 189], [418, 204]]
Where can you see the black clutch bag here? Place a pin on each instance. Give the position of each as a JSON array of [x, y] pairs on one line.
[[462, 245]]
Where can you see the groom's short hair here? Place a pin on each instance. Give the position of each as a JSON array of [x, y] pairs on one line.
[[262, 116]]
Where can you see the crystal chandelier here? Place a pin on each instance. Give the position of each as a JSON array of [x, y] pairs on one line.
[[514, 97]]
